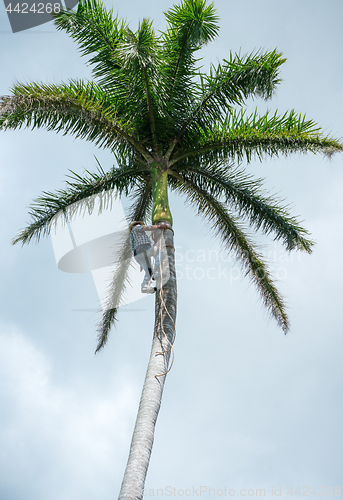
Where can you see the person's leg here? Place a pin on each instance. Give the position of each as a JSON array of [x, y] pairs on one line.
[[144, 261], [148, 264]]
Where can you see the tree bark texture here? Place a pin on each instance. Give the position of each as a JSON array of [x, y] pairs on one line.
[[149, 406]]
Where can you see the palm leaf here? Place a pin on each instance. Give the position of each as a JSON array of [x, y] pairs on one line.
[[231, 84], [79, 108], [239, 137], [138, 56], [190, 25], [79, 189], [243, 193], [234, 239], [98, 34]]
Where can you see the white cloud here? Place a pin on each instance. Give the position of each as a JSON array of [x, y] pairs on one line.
[[70, 438]]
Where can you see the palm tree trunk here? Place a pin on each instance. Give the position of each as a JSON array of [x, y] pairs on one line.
[[160, 209], [149, 406]]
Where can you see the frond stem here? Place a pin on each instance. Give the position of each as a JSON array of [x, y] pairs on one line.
[[150, 108]]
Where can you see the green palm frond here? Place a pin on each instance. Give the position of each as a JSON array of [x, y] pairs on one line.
[[107, 321], [116, 292], [98, 34], [138, 50], [190, 25], [124, 62], [234, 239], [231, 84], [79, 189], [244, 194], [79, 108], [142, 202], [138, 55], [240, 137]]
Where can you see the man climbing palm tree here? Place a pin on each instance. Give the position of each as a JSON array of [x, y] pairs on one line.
[[170, 127], [143, 250]]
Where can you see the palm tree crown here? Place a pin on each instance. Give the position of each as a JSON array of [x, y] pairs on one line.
[[170, 126]]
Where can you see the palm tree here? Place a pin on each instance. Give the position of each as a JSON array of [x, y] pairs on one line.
[[169, 126]]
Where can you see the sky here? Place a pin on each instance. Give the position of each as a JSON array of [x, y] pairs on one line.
[[245, 408]]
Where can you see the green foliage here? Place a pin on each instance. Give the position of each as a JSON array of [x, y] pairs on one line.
[[244, 195], [233, 237], [98, 34], [192, 24], [151, 104], [239, 137], [79, 189], [79, 108], [255, 75]]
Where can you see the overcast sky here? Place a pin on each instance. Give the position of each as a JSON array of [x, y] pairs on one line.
[[244, 406]]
